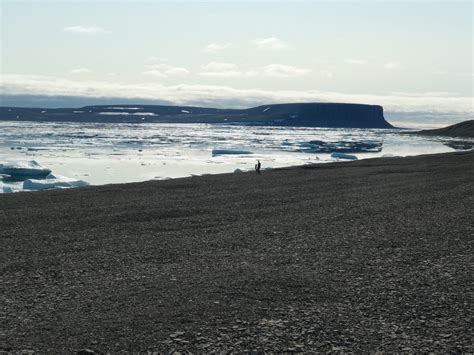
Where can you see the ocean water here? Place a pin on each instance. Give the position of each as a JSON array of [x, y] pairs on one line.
[[119, 153]]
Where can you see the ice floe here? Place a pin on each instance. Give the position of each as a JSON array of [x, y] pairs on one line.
[[5, 188], [30, 175], [23, 168], [319, 146], [53, 181], [345, 156]]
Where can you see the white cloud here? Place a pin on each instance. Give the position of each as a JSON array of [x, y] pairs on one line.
[[80, 71], [225, 70], [177, 71], [154, 72], [165, 70], [284, 71], [215, 47], [326, 73], [154, 59], [355, 61], [392, 66], [270, 43], [221, 96], [91, 30]]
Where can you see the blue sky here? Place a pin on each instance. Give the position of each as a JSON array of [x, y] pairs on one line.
[[407, 56]]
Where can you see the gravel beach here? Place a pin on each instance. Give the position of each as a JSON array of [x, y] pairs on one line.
[[360, 256]]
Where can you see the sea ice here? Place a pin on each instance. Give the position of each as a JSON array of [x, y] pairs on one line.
[[229, 152], [342, 146], [53, 181], [23, 167], [343, 156]]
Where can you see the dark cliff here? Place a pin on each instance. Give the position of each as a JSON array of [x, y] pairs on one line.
[[295, 114]]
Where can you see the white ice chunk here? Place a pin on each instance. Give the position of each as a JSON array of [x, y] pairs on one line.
[[268, 108], [23, 167], [343, 156], [5, 189], [184, 111], [53, 181]]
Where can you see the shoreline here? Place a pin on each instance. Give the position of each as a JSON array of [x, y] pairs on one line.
[[363, 256], [249, 170]]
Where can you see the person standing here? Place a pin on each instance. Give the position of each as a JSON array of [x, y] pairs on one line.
[[258, 166]]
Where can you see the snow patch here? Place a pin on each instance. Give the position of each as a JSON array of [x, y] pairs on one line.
[[123, 108], [127, 113]]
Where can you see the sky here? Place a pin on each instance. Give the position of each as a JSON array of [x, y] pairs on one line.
[[415, 58]]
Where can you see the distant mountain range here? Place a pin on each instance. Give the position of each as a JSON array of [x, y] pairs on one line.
[[337, 115], [462, 129]]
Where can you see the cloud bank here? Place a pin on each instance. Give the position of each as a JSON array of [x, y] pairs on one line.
[[221, 96]]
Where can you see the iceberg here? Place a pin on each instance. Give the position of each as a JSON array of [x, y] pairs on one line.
[[5, 189], [343, 156], [229, 152], [53, 181], [24, 168]]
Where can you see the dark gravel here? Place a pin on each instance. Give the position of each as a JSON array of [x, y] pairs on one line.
[[361, 256]]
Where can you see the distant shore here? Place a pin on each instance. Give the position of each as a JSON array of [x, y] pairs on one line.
[[360, 256]]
